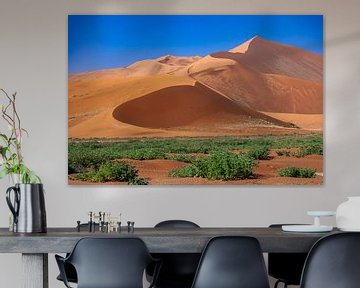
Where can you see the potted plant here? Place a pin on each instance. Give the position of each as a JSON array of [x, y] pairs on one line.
[[26, 197]]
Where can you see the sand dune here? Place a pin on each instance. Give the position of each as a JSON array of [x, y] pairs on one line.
[[273, 83], [258, 87], [168, 64], [187, 105], [178, 60], [274, 58]]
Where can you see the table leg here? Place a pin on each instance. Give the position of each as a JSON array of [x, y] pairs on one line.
[[35, 270]]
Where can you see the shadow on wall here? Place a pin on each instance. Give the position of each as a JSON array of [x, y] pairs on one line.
[[344, 39]]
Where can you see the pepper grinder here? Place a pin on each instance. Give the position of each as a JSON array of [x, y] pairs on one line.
[[90, 221], [78, 226]]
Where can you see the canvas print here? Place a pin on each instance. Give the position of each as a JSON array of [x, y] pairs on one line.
[[195, 99]]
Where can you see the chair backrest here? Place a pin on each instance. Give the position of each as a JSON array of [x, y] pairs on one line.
[[110, 262], [176, 224], [333, 262], [177, 268], [232, 262]]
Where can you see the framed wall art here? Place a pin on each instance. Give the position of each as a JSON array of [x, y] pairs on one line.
[[195, 99]]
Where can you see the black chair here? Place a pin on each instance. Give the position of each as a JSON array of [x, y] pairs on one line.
[[333, 262], [232, 262], [286, 267], [178, 269], [108, 263], [69, 269]]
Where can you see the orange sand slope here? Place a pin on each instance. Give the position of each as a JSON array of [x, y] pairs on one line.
[[259, 87]]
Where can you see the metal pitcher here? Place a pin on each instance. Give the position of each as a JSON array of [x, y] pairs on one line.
[[28, 207]]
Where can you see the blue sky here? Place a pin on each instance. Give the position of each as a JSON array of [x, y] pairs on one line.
[[109, 41]]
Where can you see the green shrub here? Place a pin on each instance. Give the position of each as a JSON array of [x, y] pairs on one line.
[[118, 171], [218, 165], [144, 154], [138, 181], [315, 149], [80, 161], [259, 153], [182, 158], [297, 172], [283, 153], [188, 171]]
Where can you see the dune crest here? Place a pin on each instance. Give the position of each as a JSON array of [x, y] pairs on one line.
[[243, 47]]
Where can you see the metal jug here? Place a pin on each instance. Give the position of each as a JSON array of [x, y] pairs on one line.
[[28, 208]]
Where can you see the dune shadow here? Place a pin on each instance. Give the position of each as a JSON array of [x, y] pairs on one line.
[[175, 106]]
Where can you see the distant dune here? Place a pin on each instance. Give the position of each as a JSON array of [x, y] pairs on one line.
[[255, 87]]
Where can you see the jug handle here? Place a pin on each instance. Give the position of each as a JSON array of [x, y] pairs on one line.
[[13, 208]]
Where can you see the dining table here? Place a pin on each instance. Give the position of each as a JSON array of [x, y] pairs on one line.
[[35, 247]]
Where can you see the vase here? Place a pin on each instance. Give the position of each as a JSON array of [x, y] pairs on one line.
[[27, 205], [348, 214], [15, 179]]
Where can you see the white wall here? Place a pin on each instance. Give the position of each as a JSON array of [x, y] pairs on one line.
[[33, 62]]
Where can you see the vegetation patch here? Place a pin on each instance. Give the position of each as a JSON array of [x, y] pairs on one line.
[[219, 165], [283, 153], [259, 153], [211, 158], [297, 172], [182, 158], [315, 149], [138, 181], [109, 172]]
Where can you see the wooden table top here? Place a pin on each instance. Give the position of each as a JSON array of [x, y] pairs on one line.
[[158, 240]]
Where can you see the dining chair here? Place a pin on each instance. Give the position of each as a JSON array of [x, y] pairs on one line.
[[333, 262], [108, 263], [232, 262], [70, 271], [178, 269], [286, 267]]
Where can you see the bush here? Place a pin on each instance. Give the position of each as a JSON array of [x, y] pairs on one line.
[[80, 161], [283, 153], [138, 181], [144, 154], [219, 165], [118, 171], [187, 171], [297, 172], [316, 149], [259, 153], [182, 158]]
